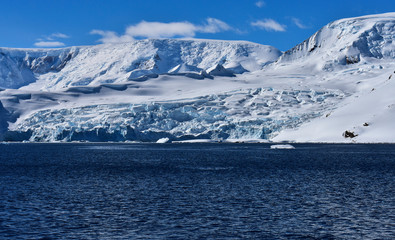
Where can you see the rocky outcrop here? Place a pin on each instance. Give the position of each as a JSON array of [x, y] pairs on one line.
[[349, 134]]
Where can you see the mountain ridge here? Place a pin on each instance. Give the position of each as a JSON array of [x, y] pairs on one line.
[[345, 41], [133, 60]]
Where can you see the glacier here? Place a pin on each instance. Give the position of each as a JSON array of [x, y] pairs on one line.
[[246, 114], [340, 79]]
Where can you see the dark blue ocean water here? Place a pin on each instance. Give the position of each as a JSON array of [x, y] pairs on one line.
[[196, 191]]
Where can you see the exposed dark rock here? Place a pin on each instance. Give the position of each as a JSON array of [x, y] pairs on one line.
[[63, 62], [349, 134], [313, 48], [352, 59], [366, 124], [156, 57]]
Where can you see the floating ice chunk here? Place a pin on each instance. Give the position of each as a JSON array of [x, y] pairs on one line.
[[163, 140], [282, 146], [196, 141]]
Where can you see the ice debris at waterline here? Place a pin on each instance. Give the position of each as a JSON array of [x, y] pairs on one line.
[[282, 146], [163, 140], [147, 90]]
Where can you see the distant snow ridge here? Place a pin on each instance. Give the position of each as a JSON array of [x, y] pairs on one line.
[[250, 114], [347, 41], [20, 67], [114, 63]]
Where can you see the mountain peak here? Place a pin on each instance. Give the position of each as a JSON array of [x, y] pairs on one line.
[[347, 41]]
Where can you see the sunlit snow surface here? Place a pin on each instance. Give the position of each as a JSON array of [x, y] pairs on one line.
[[341, 79]]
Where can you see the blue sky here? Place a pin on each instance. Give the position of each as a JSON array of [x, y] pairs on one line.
[[280, 23]]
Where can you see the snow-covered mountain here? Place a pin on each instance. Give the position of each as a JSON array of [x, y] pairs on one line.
[[346, 41], [20, 67], [119, 63], [336, 86]]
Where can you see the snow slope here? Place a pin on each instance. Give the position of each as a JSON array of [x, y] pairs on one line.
[[356, 55], [337, 86], [344, 42], [20, 67], [116, 63]]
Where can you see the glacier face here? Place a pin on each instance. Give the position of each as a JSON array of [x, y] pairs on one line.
[[155, 89], [247, 114]]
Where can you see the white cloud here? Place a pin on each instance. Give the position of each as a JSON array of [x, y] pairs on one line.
[[49, 44], [159, 29], [260, 4], [50, 40], [53, 36], [214, 25], [146, 29], [59, 35], [299, 23], [269, 25], [111, 37]]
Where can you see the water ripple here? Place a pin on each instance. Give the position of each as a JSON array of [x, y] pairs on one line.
[[202, 191]]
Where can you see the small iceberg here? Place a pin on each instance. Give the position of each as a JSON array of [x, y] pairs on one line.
[[163, 140], [282, 146]]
